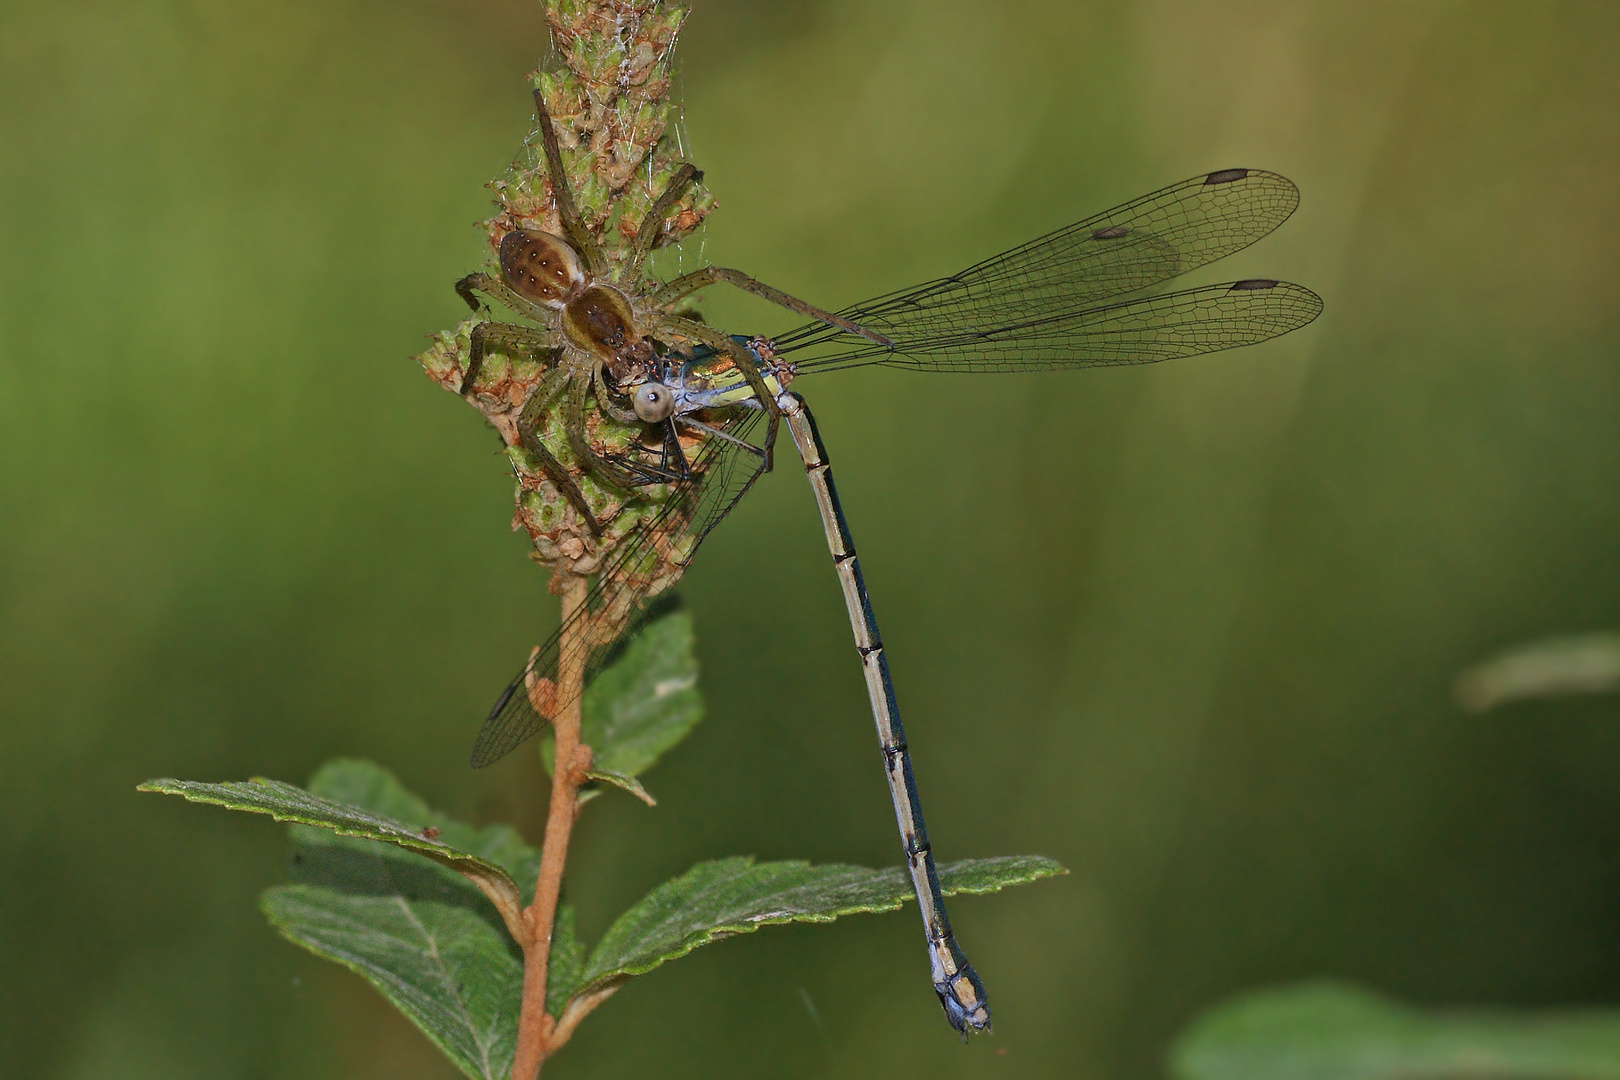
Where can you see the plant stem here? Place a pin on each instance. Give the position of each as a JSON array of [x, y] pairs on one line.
[[568, 771]]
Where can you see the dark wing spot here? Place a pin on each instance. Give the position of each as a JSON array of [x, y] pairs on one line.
[[1225, 176], [506, 696], [1253, 285], [1113, 232]]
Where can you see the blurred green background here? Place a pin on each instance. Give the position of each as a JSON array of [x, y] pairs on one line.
[[1189, 629]]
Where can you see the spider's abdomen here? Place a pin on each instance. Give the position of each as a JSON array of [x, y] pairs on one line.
[[540, 267]]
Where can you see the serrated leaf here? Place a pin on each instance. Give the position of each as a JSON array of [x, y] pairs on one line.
[[426, 913], [646, 701], [735, 896], [370, 786], [1328, 1031], [450, 969], [422, 934], [625, 783], [286, 802]]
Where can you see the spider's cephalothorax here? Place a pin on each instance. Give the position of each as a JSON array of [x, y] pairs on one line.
[[597, 332], [595, 318]]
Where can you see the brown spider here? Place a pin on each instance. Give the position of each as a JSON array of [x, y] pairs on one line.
[[602, 327]]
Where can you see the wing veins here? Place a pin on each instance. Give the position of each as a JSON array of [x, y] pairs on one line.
[[711, 495], [1121, 251]]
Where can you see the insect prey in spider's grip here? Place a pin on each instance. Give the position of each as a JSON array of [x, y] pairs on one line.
[[656, 424]]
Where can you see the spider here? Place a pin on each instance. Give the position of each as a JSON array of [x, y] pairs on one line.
[[602, 329]]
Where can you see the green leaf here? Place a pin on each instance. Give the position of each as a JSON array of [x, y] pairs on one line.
[[406, 906], [1550, 667], [448, 967], [618, 780], [735, 896], [1328, 1031], [372, 787], [646, 701], [285, 802]]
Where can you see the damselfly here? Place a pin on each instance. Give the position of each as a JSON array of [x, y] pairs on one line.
[[703, 408]]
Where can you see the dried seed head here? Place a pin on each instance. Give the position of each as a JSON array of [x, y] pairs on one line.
[[614, 124], [619, 144]]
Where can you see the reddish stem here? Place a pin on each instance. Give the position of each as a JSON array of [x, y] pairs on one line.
[[572, 761]]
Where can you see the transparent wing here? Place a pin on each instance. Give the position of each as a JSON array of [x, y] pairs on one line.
[[1141, 331], [1075, 269], [637, 569], [1038, 306]]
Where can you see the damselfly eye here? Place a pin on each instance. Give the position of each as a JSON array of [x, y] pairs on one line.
[[653, 402]]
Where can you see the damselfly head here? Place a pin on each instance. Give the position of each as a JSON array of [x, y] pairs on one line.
[[541, 268], [653, 402]]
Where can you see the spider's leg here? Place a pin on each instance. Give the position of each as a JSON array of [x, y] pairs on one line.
[[688, 284], [647, 235], [501, 337], [574, 425], [567, 209], [496, 289], [638, 472], [465, 287], [605, 399], [529, 439]]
